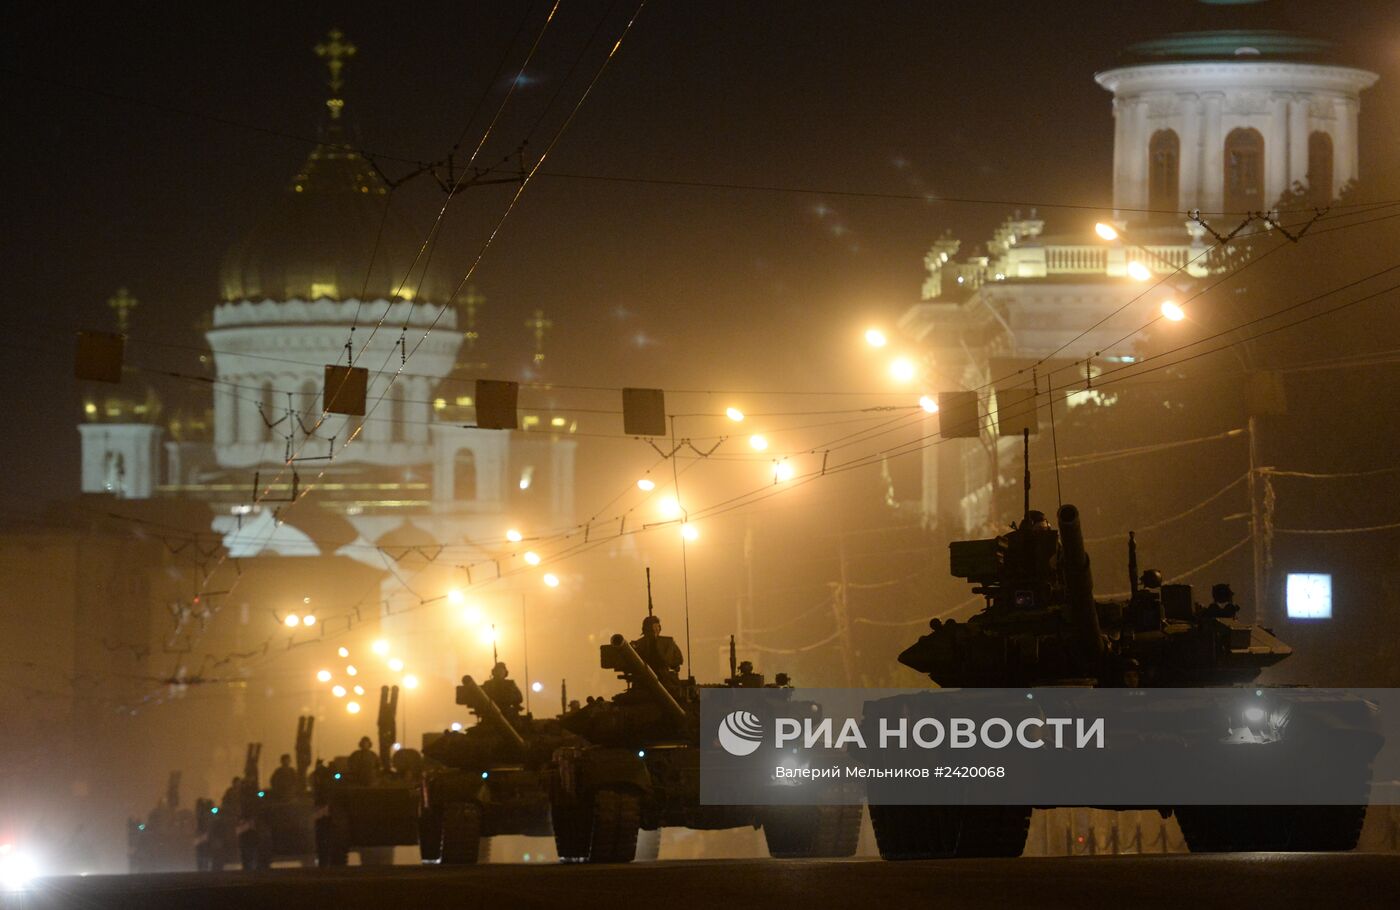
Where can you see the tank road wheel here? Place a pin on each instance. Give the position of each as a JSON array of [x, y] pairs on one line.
[[617, 817], [795, 832], [1243, 829], [993, 830], [573, 830], [461, 834], [430, 834]]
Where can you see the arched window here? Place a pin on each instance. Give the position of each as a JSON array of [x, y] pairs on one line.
[[269, 408], [1320, 167], [1163, 173], [464, 475], [396, 425], [1244, 171], [308, 406]]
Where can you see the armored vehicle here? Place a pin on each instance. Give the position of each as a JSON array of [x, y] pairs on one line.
[[485, 781], [161, 843], [278, 820], [368, 802], [640, 770], [1042, 626]]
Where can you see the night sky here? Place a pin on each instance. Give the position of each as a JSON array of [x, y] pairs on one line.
[[646, 284]]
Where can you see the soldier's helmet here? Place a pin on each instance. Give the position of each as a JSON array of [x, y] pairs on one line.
[[745, 666], [1221, 594], [651, 621], [366, 742], [1035, 519], [1152, 578], [500, 671]]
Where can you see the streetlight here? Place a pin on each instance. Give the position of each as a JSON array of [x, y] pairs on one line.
[[532, 557], [1172, 311], [410, 681], [1139, 272], [514, 536], [670, 508], [690, 532], [551, 580], [338, 691], [783, 472], [309, 619], [351, 671], [734, 414], [380, 647], [929, 404], [324, 676], [395, 665], [876, 338], [1106, 230], [353, 707], [292, 620], [456, 598], [758, 442], [343, 652], [902, 369], [646, 485]]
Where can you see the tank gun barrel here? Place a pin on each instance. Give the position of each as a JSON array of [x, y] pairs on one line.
[[471, 695], [1079, 585], [645, 677]]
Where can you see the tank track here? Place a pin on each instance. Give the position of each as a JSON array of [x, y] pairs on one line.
[[934, 832], [1229, 829]]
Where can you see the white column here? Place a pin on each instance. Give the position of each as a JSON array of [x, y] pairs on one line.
[[1344, 145], [1276, 151], [1136, 164], [1120, 138], [1298, 139], [1189, 177], [1212, 154]]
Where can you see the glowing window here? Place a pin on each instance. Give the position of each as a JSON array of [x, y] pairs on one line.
[[1309, 596]]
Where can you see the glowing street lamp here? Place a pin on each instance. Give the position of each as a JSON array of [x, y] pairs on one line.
[[646, 485], [670, 508], [359, 690], [514, 536], [1106, 230], [338, 691], [690, 532], [471, 615], [1138, 272], [309, 619], [929, 404], [410, 681], [551, 580], [323, 676], [876, 338], [902, 369], [351, 671], [783, 472], [380, 647], [292, 620], [395, 665], [456, 598], [343, 652], [1172, 311], [758, 442], [353, 707], [734, 414], [532, 558]]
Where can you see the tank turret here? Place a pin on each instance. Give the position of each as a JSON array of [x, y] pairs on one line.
[[471, 695], [1043, 626]]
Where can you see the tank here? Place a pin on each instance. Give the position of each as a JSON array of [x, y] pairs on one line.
[[1043, 626], [161, 842], [368, 807], [640, 771], [278, 820], [485, 781]]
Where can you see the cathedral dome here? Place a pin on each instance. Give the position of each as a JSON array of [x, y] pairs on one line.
[[1244, 30], [318, 238]]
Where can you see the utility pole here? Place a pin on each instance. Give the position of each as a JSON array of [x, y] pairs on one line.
[[1256, 526], [840, 608]]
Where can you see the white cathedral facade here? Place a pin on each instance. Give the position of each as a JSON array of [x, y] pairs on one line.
[[1222, 121], [328, 273]]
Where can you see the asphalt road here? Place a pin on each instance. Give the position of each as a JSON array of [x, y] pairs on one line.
[[1309, 881]]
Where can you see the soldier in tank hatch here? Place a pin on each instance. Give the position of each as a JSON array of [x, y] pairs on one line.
[[660, 652]]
